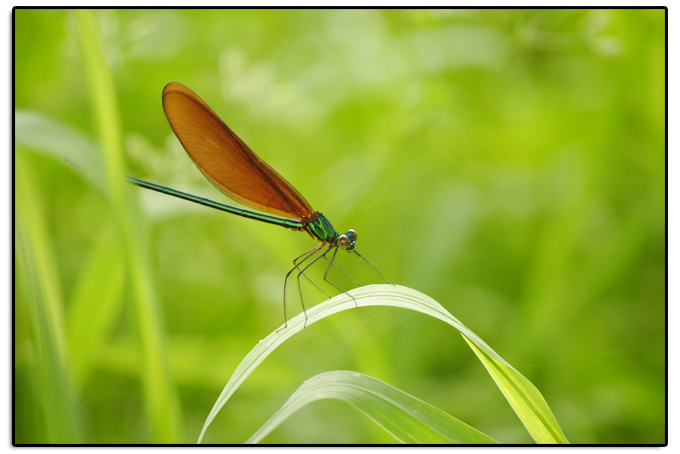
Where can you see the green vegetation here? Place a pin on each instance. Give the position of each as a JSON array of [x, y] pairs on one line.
[[377, 400], [509, 164]]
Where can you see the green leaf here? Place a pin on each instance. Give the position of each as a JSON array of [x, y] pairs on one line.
[[407, 418], [532, 411]]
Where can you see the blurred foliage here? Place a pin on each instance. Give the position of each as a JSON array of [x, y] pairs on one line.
[[508, 163]]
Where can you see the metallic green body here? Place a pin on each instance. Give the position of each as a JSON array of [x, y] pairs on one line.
[[283, 222], [322, 230]]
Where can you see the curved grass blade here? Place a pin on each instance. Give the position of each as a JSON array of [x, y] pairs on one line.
[[524, 398], [533, 410], [407, 418]]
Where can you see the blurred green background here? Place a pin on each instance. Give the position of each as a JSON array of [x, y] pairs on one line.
[[508, 163]]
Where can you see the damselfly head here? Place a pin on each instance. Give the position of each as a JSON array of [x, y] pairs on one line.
[[348, 240]]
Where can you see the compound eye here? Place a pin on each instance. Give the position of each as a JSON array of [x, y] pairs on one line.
[[343, 242], [354, 234]]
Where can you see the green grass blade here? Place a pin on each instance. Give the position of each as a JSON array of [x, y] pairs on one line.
[[400, 297], [37, 274], [524, 398], [408, 419], [97, 297], [162, 401], [94, 305]]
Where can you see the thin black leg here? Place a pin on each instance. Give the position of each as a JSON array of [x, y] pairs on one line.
[[302, 273], [325, 276], [305, 256], [364, 259], [343, 271]]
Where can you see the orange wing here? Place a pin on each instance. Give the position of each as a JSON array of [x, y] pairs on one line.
[[228, 163]]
